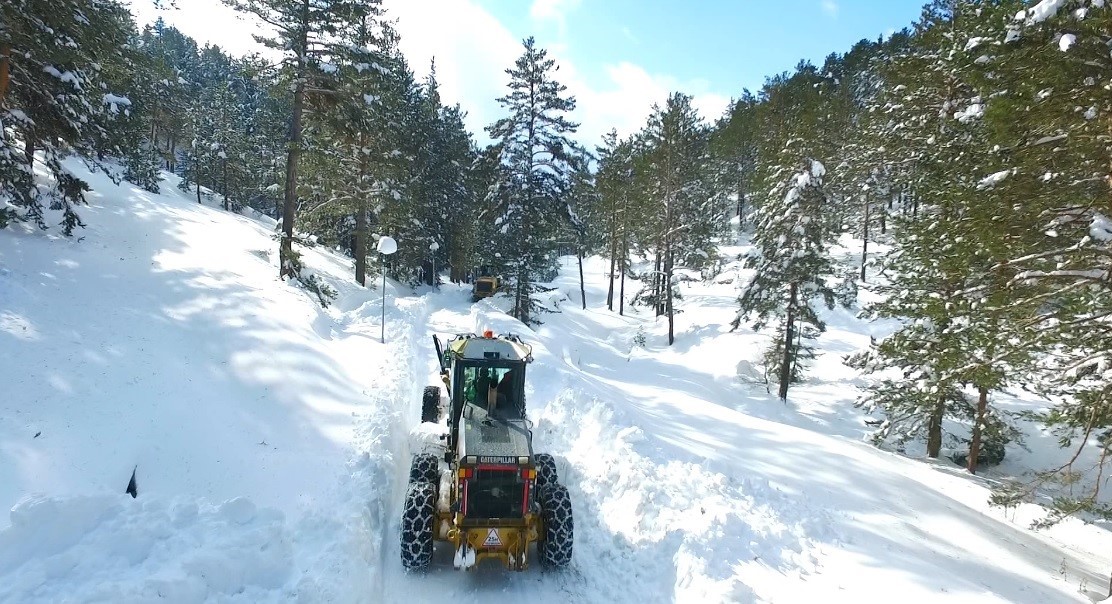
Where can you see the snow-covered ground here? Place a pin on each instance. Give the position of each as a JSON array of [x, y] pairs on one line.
[[270, 440]]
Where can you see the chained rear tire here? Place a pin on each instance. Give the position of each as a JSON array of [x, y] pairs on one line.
[[430, 404], [546, 469], [555, 547], [417, 525]]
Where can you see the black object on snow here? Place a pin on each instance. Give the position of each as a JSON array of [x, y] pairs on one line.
[[131, 488]]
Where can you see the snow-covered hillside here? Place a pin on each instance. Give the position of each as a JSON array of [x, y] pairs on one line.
[[270, 440]]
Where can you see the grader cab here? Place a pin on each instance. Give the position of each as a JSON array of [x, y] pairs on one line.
[[488, 495]]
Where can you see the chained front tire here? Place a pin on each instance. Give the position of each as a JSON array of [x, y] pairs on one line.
[[546, 469], [417, 525], [430, 404]]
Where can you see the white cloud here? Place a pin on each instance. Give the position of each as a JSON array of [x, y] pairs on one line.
[[627, 99], [207, 21], [473, 50], [552, 10], [830, 7]]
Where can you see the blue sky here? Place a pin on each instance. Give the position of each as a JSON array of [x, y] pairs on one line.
[[618, 57], [730, 44]]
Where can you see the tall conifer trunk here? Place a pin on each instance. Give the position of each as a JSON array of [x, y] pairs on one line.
[[5, 71], [224, 177], [287, 266], [668, 262], [789, 335], [29, 149], [613, 265], [625, 260], [582, 286], [360, 244], [978, 430], [865, 244], [655, 283], [934, 429]]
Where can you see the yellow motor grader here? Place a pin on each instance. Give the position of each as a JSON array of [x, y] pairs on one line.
[[489, 495], [485, 286]]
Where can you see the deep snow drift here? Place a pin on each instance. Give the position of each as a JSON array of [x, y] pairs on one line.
[[271, 439]]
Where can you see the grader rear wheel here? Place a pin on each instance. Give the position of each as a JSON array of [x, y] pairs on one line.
[[425, 467], [554, 548], [417, 525]]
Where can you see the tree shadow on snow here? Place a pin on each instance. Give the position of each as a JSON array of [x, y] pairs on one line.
[[681, 410], [192, 339]]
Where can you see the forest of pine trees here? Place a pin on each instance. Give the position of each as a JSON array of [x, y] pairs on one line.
[[976, 146]]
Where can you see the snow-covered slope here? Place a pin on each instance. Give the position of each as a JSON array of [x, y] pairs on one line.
[[271, 440], [161, 340]]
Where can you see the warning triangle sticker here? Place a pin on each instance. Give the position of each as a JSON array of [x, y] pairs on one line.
[[492, 539]]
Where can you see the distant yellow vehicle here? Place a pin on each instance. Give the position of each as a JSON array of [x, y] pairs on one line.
[[484, 287]]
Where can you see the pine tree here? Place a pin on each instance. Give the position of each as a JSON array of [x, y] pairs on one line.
[[305, 32], [734, 145], [447, 202], [534, 148], [868, 171], [437, 193], [1050, 117], [792, 269], [127, 126], [943, 283], [352, 166], [614, 184], [456, 155], [266, 106], [795, 220], [215, 121], [680, 185], [172, 57], [924, 134], [55, 98]]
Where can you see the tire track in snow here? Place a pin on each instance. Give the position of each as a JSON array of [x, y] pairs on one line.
[[442, 313], [422, 365], [353, 568], [400, 400]]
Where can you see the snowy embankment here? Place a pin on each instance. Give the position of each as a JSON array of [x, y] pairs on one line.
[[691, 485], [262, 429], [272, 438]]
